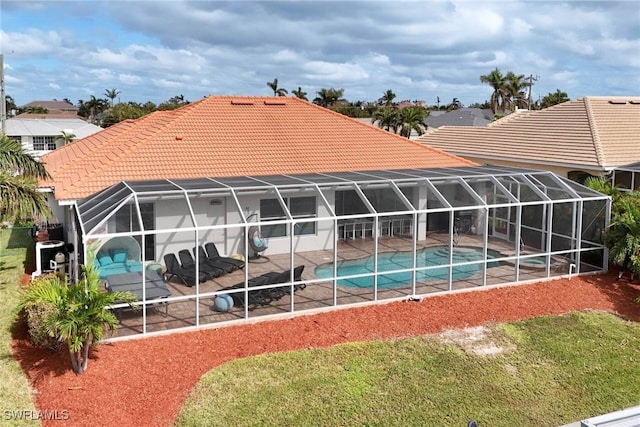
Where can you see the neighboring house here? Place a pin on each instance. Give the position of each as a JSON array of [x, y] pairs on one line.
[[590, 136], [41, 136], [460, 117], [53, 106], [322, 188]]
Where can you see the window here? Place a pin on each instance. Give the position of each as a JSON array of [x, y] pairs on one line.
[[300, 207], [44, 143], [127, 220]]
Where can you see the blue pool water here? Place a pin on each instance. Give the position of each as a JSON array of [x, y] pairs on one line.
[[390, 261]]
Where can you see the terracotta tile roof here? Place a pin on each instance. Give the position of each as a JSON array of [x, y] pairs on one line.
[[594, 132], [233, 136]]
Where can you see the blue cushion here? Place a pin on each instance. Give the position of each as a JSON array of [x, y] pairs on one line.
[[119, 255], [258, 241], [104, 259]]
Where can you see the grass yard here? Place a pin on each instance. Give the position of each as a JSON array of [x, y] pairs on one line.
[[15, 394], [547, 371]]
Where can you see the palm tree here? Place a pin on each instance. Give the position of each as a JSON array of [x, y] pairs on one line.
[[300, 93], [623, 235], [276, 90], [412, 118], [515, 87], [95, 106], [386, 118], [18, 174], [455, 105], [11, 106], [499, 97], [558, 97], [66, 136], [79, 313], [112, 94], [387, 98], [329, 97]]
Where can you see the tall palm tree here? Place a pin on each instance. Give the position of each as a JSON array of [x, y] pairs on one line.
[[12, 108], [412, 118], [300, 93], [387, 98], [19, 171], [329, 97], [558, 97], [499, 97], [386, 118], [276, 90], [515, 87], [112, 94], [95, 106]]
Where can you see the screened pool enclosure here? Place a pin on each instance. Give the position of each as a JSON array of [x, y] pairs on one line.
[[319, 241]]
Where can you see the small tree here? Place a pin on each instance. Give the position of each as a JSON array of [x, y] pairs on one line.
[[79, 314]]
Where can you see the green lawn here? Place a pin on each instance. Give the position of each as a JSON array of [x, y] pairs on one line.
[[551, 371], [15, 394]]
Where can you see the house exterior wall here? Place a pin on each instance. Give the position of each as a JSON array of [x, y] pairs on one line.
[[558, 170]]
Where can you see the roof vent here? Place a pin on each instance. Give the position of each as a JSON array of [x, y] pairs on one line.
[[617, 102], [241, 102], [634, 102], [178, 137], [275, 102]]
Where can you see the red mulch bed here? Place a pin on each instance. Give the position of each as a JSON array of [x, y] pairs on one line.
[[145, 381]]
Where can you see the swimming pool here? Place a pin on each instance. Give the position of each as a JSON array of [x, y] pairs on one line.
[[390, 261]]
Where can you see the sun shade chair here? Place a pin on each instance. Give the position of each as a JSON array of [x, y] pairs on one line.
[[213, 254], [187, 261], [186, 275], [225, 267]]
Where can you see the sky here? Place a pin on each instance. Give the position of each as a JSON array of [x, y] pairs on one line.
[[155, 50]]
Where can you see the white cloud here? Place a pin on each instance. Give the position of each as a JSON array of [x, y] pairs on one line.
[[129, 79], [331, 72]]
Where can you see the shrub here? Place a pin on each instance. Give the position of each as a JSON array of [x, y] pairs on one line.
[[76, 314]]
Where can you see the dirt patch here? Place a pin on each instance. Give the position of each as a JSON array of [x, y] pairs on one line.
[[478, 340], [145, 381]]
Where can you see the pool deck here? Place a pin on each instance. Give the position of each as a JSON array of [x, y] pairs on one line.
[[320, 293]]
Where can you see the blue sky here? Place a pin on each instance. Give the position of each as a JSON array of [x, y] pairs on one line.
[[154, 50]]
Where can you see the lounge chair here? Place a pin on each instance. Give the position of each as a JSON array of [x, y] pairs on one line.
[[186, 275], [266, 296], [227, 268], [187, 261], [212, 253], [285, 277], [156, 290]]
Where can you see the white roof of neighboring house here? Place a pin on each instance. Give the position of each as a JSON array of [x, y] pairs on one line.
[[49, 127]]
